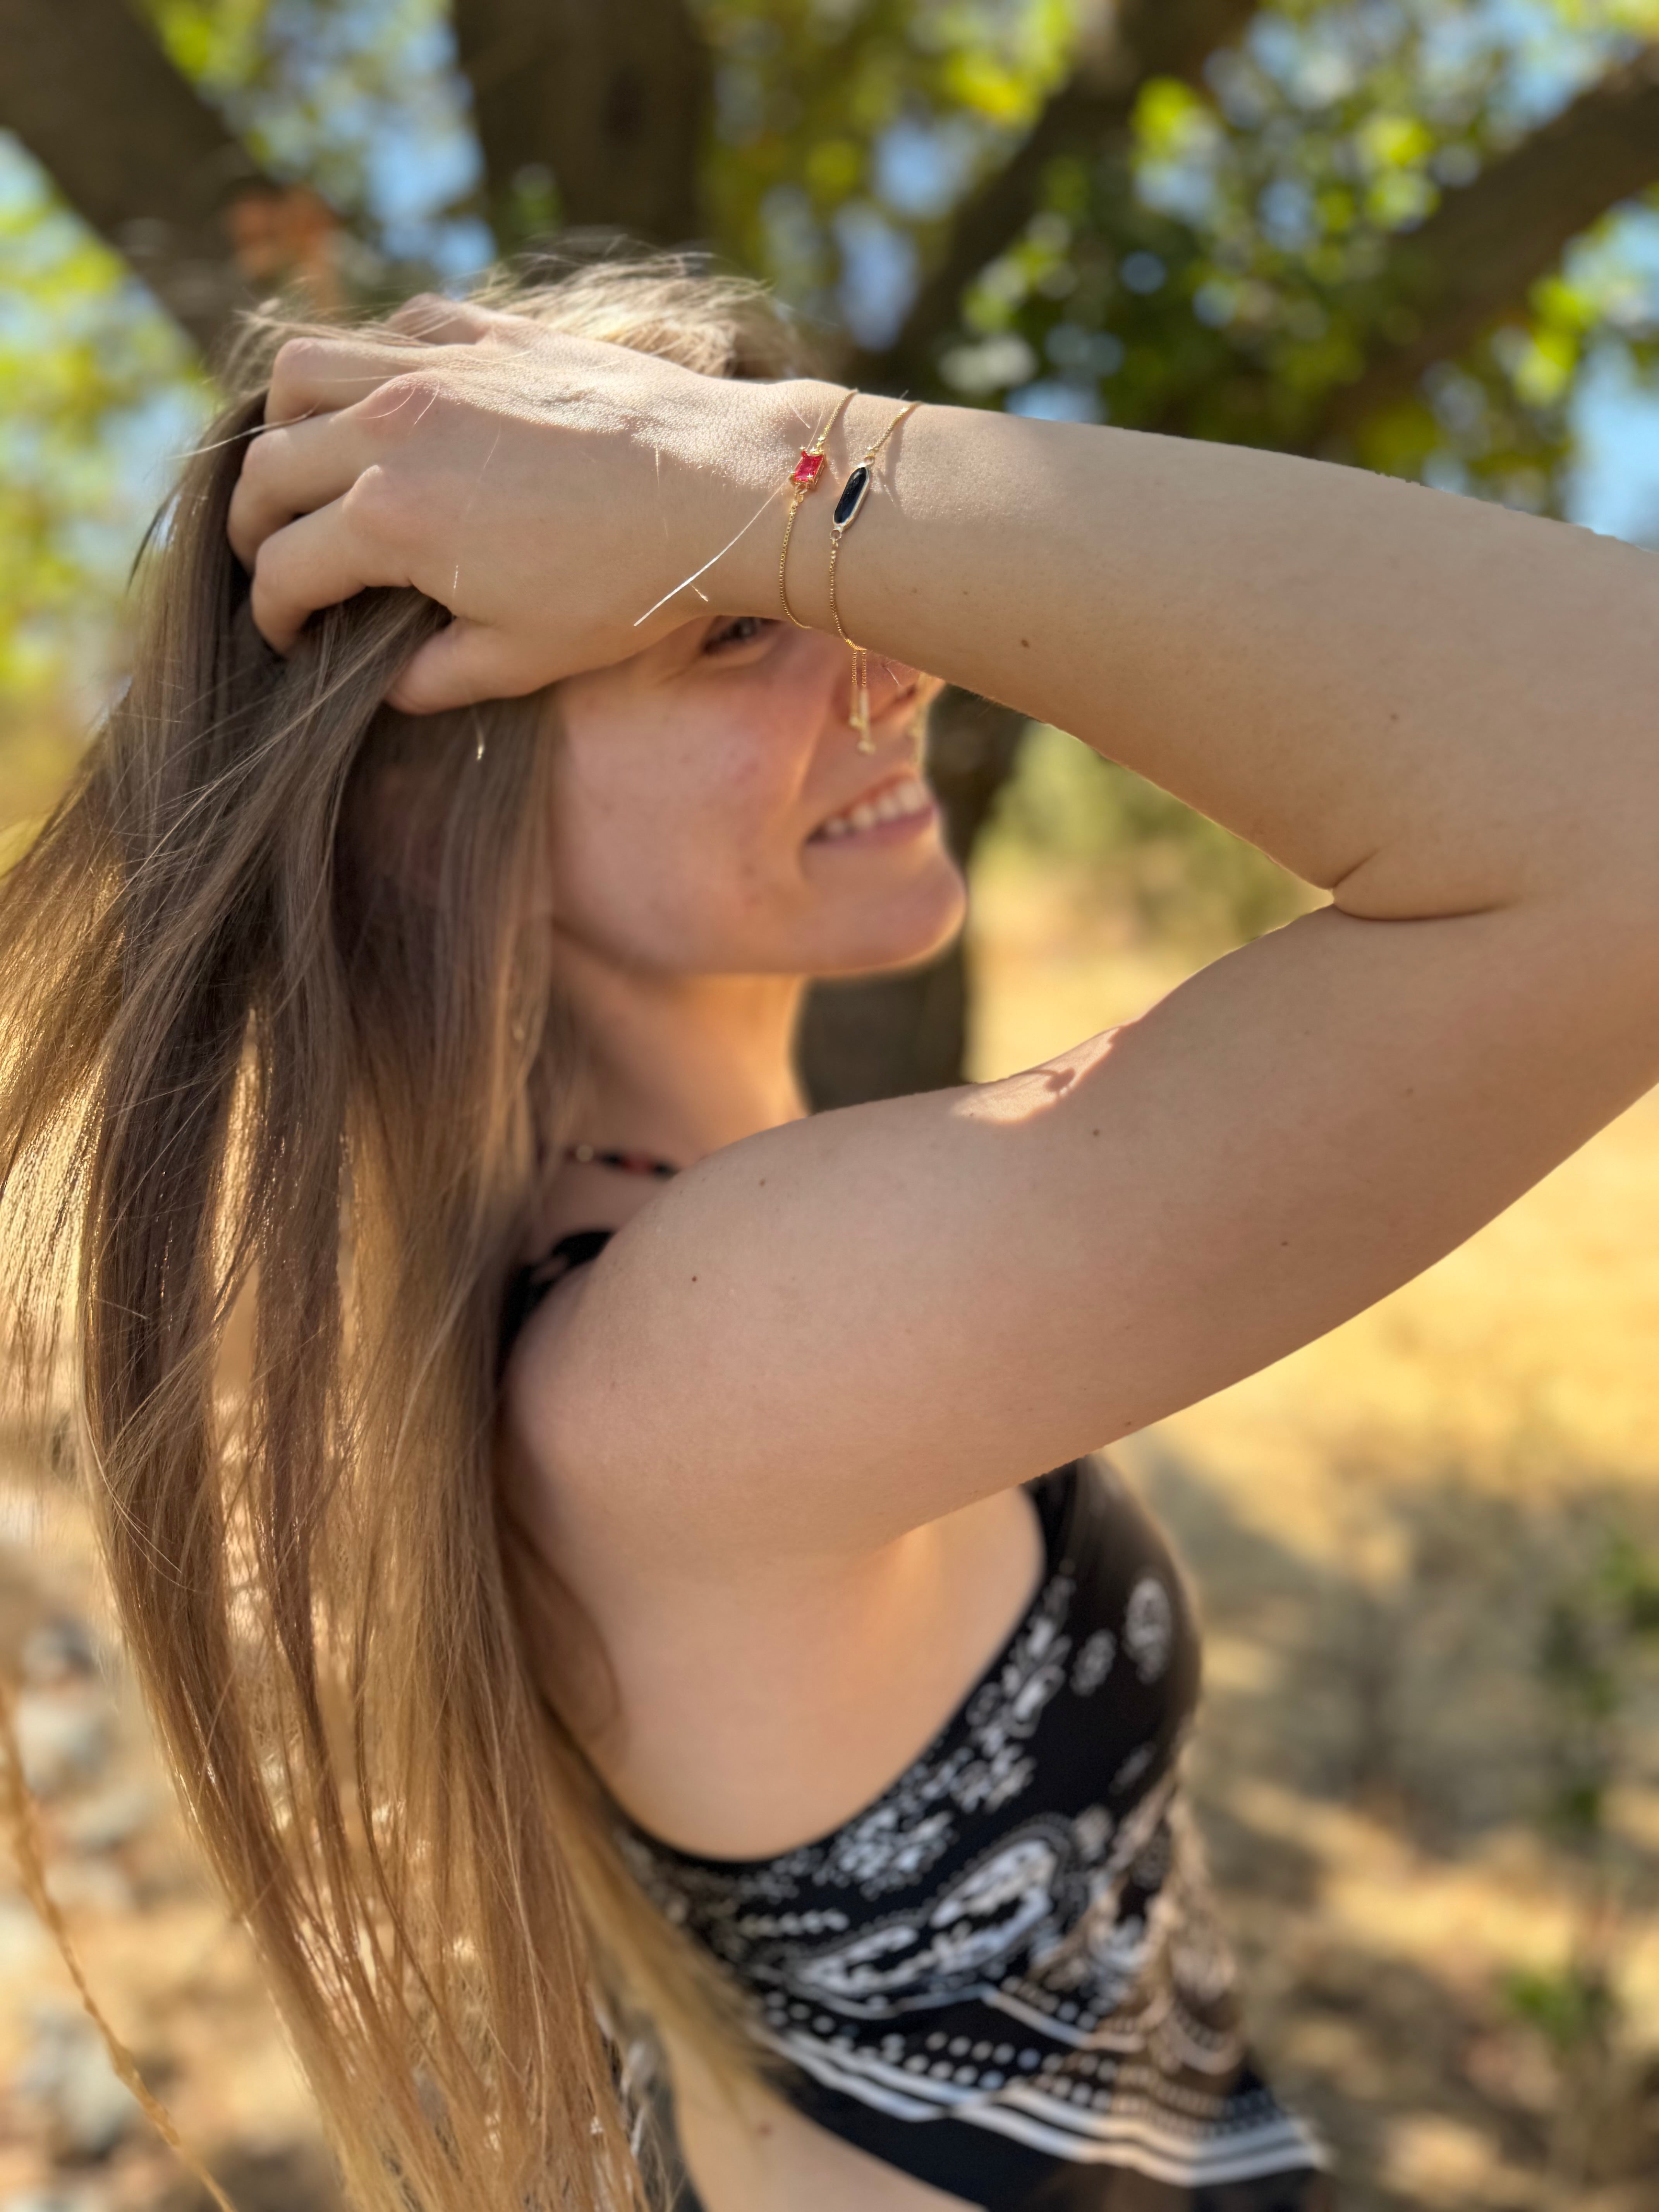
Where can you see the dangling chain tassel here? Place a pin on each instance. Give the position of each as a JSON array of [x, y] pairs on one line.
[[849, 507], [859, 719]]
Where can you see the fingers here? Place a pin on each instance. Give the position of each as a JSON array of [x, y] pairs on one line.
[[437, 321], [320, 559], [292, 469], [314, 376], [327, 397], [462, 665]]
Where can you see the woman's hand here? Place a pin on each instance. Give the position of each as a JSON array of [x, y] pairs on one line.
[[549, 490]]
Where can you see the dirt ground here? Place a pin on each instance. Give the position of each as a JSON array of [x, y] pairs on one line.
[[1428, 1767]]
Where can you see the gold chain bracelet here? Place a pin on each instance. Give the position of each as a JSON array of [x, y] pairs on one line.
[[849, 507], [805, 477]]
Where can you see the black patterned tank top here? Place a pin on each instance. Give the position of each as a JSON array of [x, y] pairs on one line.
[[1004, 1976]]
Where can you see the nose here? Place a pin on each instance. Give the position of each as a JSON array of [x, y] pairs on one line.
[[892, 684]]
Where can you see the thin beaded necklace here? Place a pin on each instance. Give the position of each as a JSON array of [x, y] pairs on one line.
[[642, 1164]]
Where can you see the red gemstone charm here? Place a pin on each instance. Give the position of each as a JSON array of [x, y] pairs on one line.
[[807, 469]]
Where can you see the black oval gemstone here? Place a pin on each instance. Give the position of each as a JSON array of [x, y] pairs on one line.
[[852, 495]]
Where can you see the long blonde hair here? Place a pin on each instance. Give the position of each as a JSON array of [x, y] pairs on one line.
[[265, 1055]]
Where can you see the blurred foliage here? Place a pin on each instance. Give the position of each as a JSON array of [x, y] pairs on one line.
[[331, 92], [1571, 2008], [87, 369], [1603, 1628], [1241, 272], [1176, 875], [846, 135], [97, 387], [1223, 279], [1599, 1638]]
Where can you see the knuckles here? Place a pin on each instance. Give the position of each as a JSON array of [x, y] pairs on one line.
[[265, 597], [422, 307], [295, 364], [261, 458], [400, 405], [266, 569], [375, 505]]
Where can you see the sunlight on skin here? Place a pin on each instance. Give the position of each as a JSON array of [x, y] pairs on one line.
[[1022, 1097]]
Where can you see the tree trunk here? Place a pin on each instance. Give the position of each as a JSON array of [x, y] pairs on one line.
[[882, 1036], [608, 97], [132, 147]]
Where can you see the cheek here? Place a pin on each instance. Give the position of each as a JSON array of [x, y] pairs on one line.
[[674, 845]]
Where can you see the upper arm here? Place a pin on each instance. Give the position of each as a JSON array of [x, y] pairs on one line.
[[846, 1326]]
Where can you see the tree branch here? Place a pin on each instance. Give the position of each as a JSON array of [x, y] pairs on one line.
[[1089, 115], [610, 96], [1486, 244], [133, 148]]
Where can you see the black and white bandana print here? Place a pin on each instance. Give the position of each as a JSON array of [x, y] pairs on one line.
[[1005, 1975]]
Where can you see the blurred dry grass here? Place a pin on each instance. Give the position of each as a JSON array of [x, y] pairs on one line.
[[1388, 1533], [1391, 1532]]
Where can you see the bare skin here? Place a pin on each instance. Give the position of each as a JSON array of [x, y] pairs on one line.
[[775, 1434]]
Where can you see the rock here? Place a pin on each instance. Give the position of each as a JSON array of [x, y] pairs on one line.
[[53, 2200], [89, 1885], [66, 2073], [63, 1734], [60, 1649], [106, 1818], [24, 1944]]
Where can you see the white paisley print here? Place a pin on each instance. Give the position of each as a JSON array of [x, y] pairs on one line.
[[1014, 1943]]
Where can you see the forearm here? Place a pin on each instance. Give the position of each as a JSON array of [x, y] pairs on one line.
[[1424, 701]]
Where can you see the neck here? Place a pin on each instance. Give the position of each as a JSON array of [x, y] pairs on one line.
[[680, 1066]]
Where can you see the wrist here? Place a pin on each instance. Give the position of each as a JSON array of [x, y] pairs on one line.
[[869, 429], [781, 419]]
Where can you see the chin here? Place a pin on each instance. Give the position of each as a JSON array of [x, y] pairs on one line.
[[915, 929]]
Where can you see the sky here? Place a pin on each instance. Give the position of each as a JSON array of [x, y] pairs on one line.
[[1615, 483]]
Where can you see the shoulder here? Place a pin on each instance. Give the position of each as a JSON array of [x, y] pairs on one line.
[[815, 1341]]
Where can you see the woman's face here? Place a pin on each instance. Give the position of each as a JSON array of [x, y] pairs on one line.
[[714, 814]]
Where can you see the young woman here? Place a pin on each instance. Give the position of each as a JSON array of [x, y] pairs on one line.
[[650, 1578]]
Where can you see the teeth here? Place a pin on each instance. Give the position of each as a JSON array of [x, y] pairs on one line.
[[892, 804]]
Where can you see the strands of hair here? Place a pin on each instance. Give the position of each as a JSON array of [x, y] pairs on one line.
[[279, 1041]]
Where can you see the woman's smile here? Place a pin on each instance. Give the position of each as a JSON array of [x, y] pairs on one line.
[[900, 805]]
